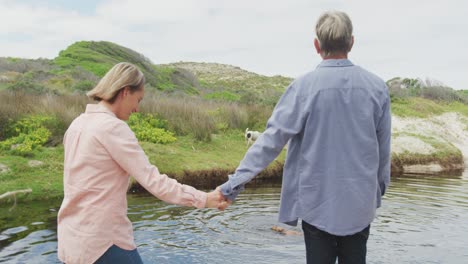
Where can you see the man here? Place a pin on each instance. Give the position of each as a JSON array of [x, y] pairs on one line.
[[337, 119]]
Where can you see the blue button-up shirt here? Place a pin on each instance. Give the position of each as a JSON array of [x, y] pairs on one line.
[[338, 123]]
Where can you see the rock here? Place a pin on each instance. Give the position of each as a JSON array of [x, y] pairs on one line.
[[431, 168], [35, 163], [411, 144], [446, 133], [14, 146], [3, 168]]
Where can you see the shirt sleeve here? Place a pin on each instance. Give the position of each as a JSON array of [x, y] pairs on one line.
[[123, 147], [384, 134], [286, 121]]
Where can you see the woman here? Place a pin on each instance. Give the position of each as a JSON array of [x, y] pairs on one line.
[[100, 153]]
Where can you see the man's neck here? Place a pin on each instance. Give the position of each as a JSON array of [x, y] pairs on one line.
[[336, 57]]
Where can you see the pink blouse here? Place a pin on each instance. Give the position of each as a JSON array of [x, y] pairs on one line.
[[100, 153]]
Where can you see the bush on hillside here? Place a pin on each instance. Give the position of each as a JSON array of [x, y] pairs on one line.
[[98, 57], [25, 65], [150, 129], [26, 85], [222, 96], [185, 80], [26, 135], [83, 86], [440, 93], [429, 89]]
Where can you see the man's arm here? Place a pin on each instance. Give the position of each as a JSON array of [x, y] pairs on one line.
[[384, 134], [287, 120]]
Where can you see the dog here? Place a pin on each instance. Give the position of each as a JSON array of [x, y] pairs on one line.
[[251, 136]]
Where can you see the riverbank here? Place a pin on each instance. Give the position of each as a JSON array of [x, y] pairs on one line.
[[204, 165], [430, 145]]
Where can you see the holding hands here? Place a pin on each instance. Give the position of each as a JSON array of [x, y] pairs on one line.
[[216, 199]]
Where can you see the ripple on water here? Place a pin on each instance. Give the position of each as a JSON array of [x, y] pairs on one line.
[[14, 230], [422, 220]]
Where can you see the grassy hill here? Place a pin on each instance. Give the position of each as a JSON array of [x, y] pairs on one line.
[[230, 83], [99, 57], [206, 106], [78, 68]]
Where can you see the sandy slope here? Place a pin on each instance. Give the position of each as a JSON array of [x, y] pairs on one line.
[[446, 128]]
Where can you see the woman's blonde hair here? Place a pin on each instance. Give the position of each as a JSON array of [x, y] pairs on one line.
[[122, 75], [334, 32]]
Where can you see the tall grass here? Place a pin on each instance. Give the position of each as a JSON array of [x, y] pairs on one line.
[[12, 107], [185, 115], [201, 118], [25, 65], [431, 90], [16, 105]]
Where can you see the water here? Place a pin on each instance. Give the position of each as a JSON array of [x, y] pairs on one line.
[[423, 220]]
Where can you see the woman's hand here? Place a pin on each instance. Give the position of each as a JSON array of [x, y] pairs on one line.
[[215, 199]]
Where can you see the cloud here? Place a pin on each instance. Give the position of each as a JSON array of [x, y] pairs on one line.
[[47, 30], [147, 12], [398, 38]]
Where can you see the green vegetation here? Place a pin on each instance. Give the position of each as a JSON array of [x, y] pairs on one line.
[[78, 68], [150, 129], [416, 107], [46, 180], [99, 57], [192, 119], [222, 96], [429, 89], [26, 84], [84, 86], [420, 107], [201, 118], [186, 154], [210, 136], [26, 135], [416, 98], [164, 78], [231, 83], [444, 153]]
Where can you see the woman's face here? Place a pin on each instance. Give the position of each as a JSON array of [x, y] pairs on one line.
[[130, 102]]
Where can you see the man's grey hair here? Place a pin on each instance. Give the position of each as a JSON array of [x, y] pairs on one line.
[[334, 32]]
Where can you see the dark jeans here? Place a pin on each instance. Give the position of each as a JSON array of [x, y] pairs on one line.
[[116, 255], [325, 248]]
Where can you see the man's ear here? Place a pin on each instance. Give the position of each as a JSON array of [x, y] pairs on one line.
[[352, 43], [317, 46]]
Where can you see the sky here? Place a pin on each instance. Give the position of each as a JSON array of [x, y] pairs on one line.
[[398, 38]]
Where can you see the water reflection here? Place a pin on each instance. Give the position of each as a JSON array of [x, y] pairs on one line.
[[423, 220], [242, 234]]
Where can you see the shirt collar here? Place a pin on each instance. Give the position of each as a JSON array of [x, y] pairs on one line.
[[335, 63], [97, 108]]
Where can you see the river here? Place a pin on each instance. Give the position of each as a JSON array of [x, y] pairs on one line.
[[422, 220]]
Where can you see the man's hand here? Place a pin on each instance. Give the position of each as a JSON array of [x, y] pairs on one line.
[[215, 199]]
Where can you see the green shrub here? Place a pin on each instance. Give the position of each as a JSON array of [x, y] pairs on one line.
[[223, 96], [441, 93], [63, 82], [151, 129], [84, 86], [28, 86], [99, 57], [26, 135], [164, 78]]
